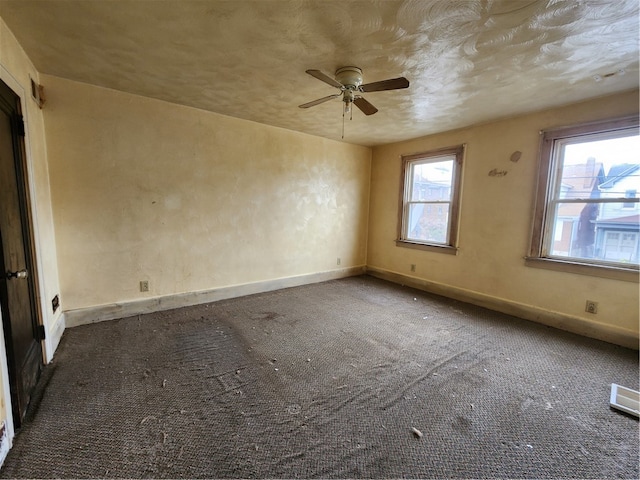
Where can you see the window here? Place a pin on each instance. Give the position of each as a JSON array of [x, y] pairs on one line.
[[585, 218], [430, 200], [631, 193]]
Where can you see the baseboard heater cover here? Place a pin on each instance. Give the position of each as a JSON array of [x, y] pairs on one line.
[[625, 399]]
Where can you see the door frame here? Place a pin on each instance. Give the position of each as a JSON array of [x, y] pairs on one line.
[[31, 250]]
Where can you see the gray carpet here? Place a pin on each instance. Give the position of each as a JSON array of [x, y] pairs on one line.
[[328, 380]]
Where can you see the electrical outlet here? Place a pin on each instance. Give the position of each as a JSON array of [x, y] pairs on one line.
[[591, 307], [144, 285], [413, 267], [338, 261]]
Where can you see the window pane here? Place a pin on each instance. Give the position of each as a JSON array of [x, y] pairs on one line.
[[596, 231], [631, 193], [431, 200], [601, 168], [588, 202], [428, 224], [431, 181]]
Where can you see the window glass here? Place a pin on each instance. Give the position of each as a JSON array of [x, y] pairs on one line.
[[589, 213], [430, 198]]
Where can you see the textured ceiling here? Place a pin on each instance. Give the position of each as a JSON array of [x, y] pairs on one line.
[[468, 61]]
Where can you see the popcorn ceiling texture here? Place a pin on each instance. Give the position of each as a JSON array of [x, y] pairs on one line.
[[467, 61]]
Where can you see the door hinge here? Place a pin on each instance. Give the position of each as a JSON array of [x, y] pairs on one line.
[[41, 333], [19, 123]]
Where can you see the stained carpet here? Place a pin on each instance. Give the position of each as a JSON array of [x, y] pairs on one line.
[[328, 380]]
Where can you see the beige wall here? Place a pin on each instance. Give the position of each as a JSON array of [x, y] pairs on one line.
[[495, 227], [16, 70], [191, 200]]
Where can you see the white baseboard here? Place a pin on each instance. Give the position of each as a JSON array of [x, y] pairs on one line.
[[607, 333], [53, 337], [99, 313]]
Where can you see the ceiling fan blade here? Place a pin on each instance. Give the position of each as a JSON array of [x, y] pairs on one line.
[[325, 78], [319, 101], [365, 106], [391, 84]]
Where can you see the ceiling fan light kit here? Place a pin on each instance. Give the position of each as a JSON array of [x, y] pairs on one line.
[[349, 81]]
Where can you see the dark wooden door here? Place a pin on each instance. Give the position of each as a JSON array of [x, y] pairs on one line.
[[24, 351]]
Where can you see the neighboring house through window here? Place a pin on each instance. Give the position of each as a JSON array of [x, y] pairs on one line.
[[586, 215], [431, 200]]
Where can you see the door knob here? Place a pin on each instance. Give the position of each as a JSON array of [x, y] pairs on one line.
[[18, 274]]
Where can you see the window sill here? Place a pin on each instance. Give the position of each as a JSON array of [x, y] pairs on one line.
[[592, 270], [428, 247]]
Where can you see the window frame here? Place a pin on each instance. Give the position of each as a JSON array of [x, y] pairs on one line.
[[543, 215], [451, 247]]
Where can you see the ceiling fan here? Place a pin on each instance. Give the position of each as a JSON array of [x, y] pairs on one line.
[[349, 81]]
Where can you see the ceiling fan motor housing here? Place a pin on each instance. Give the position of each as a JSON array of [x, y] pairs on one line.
[[349, 77]]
